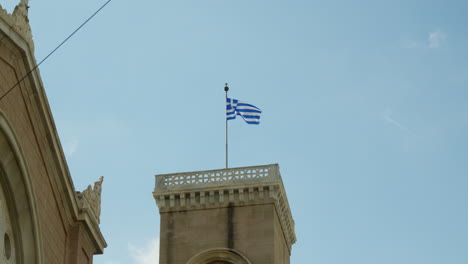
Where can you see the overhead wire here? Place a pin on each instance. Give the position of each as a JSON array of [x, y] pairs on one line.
[[54, 50]]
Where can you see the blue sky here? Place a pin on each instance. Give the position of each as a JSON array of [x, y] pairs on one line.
[[364, 108]]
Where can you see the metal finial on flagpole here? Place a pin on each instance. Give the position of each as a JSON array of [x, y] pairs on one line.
[[226, 89]]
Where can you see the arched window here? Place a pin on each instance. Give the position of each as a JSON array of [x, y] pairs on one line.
[[219, 256], [7, 243], [19, 243]]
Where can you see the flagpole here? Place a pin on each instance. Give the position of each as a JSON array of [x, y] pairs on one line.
[[226, 89]]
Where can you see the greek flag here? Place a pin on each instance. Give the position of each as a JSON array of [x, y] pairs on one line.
[[250, 113]]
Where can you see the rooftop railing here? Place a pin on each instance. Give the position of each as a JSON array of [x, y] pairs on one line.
[[218, 178]]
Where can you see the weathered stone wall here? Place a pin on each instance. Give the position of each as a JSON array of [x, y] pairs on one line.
[[281, 251], [59, 231], [15, 109], [246, 229]]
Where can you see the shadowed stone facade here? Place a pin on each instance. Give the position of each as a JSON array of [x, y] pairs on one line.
[[237, 215], [43, 220]]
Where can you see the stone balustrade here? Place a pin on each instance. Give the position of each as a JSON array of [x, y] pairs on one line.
[[218, 178]]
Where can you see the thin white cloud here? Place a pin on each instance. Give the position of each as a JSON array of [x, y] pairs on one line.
[[70, 147], [389, 119], [436, 39], [148, 254]]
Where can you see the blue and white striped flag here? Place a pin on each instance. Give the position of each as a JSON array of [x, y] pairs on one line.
[[250, 113]]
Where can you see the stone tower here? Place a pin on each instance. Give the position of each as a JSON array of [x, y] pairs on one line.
[[236, 215]]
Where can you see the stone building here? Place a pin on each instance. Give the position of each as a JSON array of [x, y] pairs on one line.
[[236, 215], [43, 220]]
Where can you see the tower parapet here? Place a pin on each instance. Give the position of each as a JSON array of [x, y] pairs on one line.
[[255, 194]]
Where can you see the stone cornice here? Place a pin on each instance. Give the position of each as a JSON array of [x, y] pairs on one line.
[[221, 188]]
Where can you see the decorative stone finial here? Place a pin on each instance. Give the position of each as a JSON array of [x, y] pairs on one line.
[[91, 198], [22, 9], [19, 21]]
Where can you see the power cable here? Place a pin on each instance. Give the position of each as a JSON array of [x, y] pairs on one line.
[[63, 42]]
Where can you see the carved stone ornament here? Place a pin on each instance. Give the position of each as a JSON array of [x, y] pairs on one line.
[[19, 21], [91, 198]]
